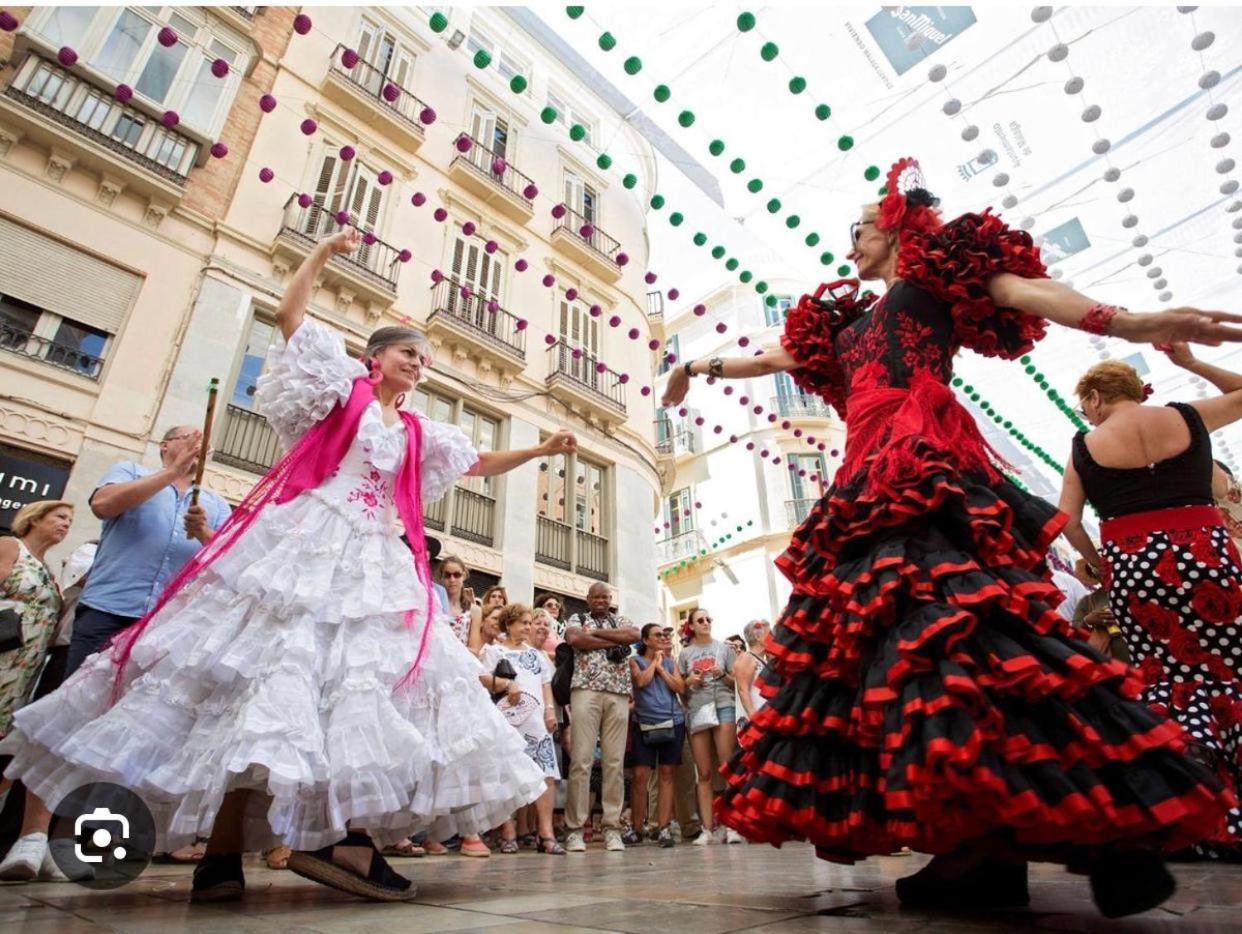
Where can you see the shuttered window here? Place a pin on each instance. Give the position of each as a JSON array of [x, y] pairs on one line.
[[56, 277]]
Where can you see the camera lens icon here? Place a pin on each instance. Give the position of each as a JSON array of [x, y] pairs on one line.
[[108, 827], [102, 836]]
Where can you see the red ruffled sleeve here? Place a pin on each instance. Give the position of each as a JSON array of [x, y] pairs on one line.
[[954, 263], [811, 329]]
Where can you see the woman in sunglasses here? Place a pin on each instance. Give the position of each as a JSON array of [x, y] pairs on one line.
[[930, 696], [291, 686]]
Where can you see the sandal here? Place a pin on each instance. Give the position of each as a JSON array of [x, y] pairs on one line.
[[406, 848], [528, 841], [435, 848], [277, 857], [475, 848], [508, 847], [380, 884], [550, 846]]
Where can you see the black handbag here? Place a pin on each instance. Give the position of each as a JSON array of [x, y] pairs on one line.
[[10, 630], [504, 669]]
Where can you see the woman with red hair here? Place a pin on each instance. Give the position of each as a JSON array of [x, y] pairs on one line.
[[930, 695]]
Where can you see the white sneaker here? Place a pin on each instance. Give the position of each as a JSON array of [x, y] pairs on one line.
[[50, 871], [718, 835], [574, 843], [732, 836], [24, 859], [613, 842], [705, 838], [675, 829]]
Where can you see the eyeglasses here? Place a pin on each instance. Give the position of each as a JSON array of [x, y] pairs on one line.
[[453, 574], [855, 230], [552, 603]]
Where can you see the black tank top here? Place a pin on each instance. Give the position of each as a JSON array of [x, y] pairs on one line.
[[1182, 480]]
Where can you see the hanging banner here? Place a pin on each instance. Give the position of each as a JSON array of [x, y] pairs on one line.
[[1062, 241], [909, 34], [27, 478]]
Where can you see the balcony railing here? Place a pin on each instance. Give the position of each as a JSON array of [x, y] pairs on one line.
[[592, 555], [587, 372], [673, 440], [474, 516], [434, 513], [682, 545], [370, 81], [801, 407], [655, 305], [552, 540], [70, 100], [249, 442], [796, 510], [247, 11], [62, 356], [482, 160], [480, 315], [599, 241], [377, 261]]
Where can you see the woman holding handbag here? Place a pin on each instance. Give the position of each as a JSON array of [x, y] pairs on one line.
[[707, 667], [660, 733]]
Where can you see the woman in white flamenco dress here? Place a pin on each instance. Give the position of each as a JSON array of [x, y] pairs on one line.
[[302, 688]]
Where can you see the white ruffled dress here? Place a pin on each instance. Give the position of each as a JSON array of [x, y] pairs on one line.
[[276, 669]]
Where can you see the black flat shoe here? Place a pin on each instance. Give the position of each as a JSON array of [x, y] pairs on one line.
[[995, 884], [381, 883], [1127, 882], [218, 877]]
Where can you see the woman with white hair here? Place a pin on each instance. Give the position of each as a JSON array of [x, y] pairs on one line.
[[291, 685], [747, 668]]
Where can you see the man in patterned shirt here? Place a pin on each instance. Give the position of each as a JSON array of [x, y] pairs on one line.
[[600, 705]]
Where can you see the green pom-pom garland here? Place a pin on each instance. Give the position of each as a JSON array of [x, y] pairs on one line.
[[518, 84], [662, 93], [633, 65], [845, 143], [607, 41], [746, 22], [792, 221], [630, 180], [774, 206], [872, 173], [797, 85], [737, 166], [482, 58], [577, 132], [438, 22], [769, 51], [604, 161], [754, 186], [657, 202], [823, 112], [548, 115], [686, 118], [716, 147]]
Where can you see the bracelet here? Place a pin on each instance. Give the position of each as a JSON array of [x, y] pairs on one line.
[[1098, 318], [685, 367]]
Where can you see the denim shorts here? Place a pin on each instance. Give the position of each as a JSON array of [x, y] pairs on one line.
[[726, 714]]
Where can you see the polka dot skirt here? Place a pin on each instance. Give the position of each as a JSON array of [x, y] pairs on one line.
[[1177, 596]]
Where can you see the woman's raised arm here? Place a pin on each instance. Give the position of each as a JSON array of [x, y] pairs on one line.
[[772, 361]]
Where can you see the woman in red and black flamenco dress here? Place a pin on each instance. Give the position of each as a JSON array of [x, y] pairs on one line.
[[929, 695]]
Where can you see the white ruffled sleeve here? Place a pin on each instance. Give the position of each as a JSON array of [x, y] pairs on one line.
[[447, 455], [304, 379]]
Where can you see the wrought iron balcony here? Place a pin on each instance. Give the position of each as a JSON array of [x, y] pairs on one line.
[[560, 545], [552, 542], [673, 439], [372, 269], [592, 555], [90, 120], [361, 90], [801, 407], [476, 323], [248, 442], [475, 169], [62, 356], [593, 249], [587, 380], [474, 516], [796, 510], [655, 305]]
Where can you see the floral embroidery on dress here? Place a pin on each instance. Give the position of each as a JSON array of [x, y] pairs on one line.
[[372, 492]]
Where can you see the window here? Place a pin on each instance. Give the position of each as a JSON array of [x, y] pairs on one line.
[[121, 44], [260, 338], [34, 332], [508, 63], [346, 186], [473, 265], [581, 197], [490, 129], [568, 114], [588, 496], [774, 315], [580, 333], [389, 60], [572, 526], [550, 489], [804, 488], [679, 512], [672, 346]]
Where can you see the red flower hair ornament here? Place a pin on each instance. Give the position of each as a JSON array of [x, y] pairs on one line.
[[908, 207]]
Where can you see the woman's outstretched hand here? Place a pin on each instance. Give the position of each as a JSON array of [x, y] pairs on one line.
[[678, 386], [1179, 354], [1179, 325], [563, 442], [345, 240]]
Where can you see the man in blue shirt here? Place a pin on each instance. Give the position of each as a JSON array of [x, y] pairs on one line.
[[150, 531]]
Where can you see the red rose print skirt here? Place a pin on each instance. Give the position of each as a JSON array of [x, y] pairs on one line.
[[924, 692], [1175, 586]]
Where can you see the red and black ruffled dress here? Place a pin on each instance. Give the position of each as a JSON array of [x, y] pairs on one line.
[[929, 693]]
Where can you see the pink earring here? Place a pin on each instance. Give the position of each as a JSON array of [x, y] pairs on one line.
[[374, 377]]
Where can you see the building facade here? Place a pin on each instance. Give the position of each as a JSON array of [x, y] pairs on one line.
[[741, 465], [182, 258]]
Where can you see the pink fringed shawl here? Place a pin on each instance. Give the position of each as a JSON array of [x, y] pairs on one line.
[[310, 462]]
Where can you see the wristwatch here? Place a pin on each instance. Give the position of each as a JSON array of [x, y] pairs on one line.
[[685, 368], [715, 367]]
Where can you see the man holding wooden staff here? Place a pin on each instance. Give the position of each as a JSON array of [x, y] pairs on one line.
[[151, 528]]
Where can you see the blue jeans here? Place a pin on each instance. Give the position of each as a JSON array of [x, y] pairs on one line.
[[91, 631]]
